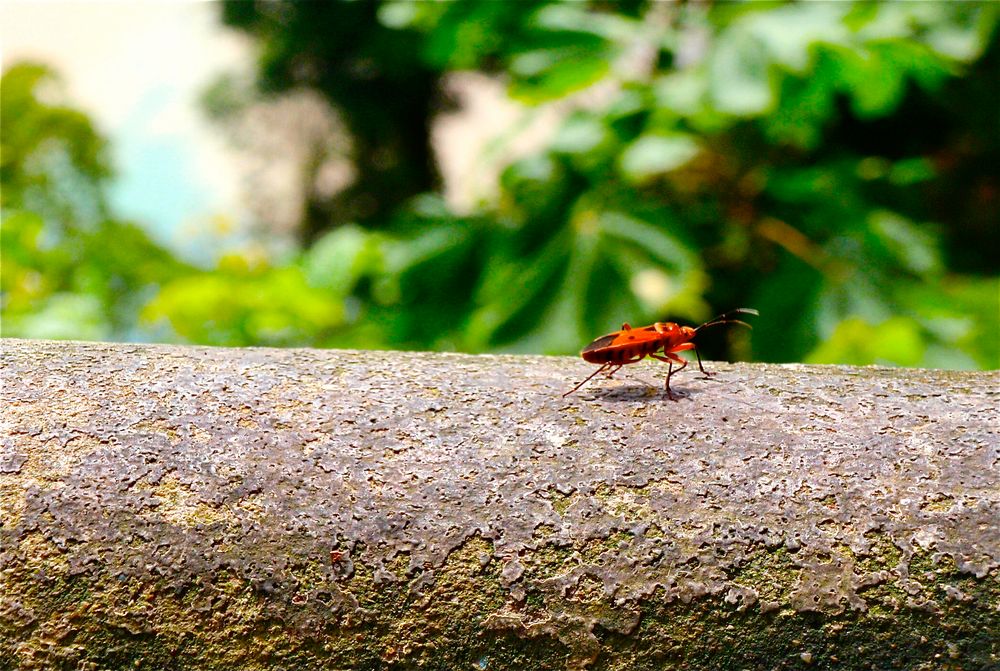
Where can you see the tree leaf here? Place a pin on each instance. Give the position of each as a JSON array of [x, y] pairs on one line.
[[654, 154]]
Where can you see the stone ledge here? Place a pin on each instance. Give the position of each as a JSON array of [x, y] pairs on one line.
[[184, 507]]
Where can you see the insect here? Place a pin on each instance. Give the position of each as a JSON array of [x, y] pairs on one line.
[[631, 345]]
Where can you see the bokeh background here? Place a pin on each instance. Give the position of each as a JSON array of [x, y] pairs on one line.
[[506, 176]]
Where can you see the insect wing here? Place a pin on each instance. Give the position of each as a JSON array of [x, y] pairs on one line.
[[601, 343], [622, 339]]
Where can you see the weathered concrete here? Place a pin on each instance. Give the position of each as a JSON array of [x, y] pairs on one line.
[[169, 507]]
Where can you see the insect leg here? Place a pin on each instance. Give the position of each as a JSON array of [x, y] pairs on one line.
[[691, 345], [708, 375], [637, 358], [671, 359], [587, 379]]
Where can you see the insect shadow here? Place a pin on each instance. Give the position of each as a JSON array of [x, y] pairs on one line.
[[635, 392]]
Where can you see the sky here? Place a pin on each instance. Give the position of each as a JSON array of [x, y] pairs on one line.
[[138, 69]]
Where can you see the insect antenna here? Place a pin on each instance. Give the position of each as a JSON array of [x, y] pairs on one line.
[[726, 318]]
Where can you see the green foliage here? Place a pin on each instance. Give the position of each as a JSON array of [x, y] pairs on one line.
[[239, 305], [751, 174], [68, 269], [834, 165], [52, 161], [725, 181]]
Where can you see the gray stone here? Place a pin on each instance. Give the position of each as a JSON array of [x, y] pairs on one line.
[[185, 507]]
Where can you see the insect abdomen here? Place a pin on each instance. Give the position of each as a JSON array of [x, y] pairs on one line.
[[599, 355], [599, 352]]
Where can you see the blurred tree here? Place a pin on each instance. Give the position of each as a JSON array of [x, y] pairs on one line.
[[374, 77], [835, 165], [69, 269], [246, 302], [53, 160], [785, 156]]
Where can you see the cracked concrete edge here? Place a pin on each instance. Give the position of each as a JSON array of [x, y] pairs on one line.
[[186, 507]]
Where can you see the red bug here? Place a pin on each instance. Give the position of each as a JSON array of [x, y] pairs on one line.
[[632, 345]]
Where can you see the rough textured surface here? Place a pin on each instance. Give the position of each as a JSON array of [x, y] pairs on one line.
[[165, 507]]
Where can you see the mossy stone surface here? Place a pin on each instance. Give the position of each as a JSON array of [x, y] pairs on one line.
[[196, 508]]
